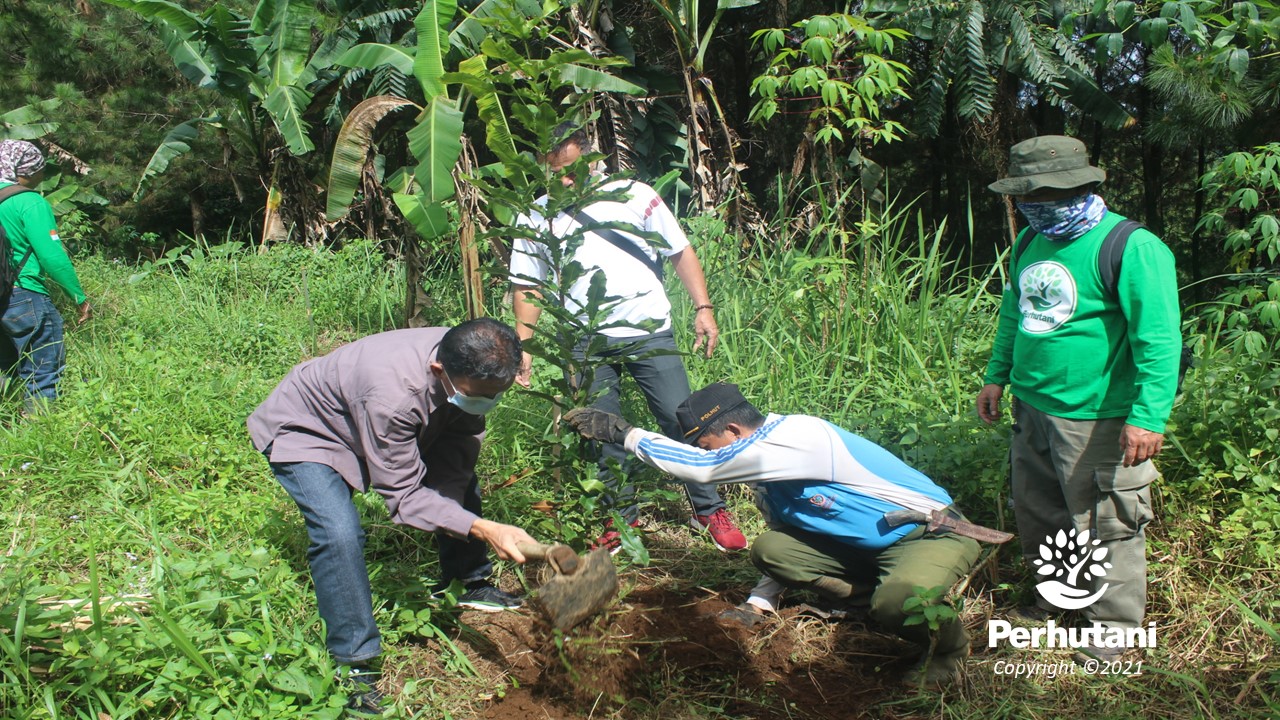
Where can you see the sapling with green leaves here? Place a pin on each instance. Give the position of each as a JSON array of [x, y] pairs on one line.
[[928, 606], [541, 92]]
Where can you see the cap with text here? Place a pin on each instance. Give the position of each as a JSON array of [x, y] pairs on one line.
[[701, 409]]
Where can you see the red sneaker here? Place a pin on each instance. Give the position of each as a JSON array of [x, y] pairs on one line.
[[611, 539], [724, 533]]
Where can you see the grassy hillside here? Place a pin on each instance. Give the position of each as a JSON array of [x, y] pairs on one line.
[[152, 568]]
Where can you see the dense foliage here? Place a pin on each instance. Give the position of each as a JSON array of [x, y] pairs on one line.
[[830, 160], [155, 570]]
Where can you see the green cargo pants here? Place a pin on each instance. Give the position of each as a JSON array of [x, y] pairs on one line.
[[797, 559], [1068, 474]]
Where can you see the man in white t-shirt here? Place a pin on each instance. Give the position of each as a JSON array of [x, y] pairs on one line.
[[630, 274]]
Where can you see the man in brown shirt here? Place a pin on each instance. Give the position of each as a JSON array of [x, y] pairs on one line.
[[401, 413]]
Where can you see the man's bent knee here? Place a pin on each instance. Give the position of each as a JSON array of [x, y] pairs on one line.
[[886, 603]]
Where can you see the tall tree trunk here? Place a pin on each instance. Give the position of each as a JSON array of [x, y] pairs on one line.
[[702, 179], [468, 210], [197, 213], [1152, 184], [471, 279], [416, 301], [1197, 259], [1152, 162]]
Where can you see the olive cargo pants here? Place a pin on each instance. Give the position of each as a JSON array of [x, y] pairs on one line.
[[797, 558], [1068, 474]]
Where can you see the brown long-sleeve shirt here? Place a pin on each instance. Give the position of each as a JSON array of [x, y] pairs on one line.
[[374, 412]]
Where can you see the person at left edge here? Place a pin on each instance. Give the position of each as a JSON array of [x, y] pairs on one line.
[[31, 323], [402, 413]]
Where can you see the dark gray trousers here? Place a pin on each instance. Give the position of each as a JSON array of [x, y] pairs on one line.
[[664, 383]]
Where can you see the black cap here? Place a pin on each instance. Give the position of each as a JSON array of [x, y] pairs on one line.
[[702, 407]]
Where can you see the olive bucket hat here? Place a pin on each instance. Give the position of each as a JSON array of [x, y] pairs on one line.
[[1048, 161]]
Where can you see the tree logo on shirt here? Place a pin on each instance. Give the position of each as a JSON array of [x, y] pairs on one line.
[[1046, 296], [1077, 559]]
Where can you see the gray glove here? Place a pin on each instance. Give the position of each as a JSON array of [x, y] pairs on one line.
[[599, 425]]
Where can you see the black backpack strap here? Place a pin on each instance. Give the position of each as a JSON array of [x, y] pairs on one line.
[[7, 192], [1112, 252], [616, 239], [1025, 236], [1109, 257]]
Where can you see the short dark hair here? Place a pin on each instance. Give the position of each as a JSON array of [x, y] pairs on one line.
[[569, 133], [481, 349], [745, 415]]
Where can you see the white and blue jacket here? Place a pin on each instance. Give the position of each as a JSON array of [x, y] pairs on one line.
[[810, 475]]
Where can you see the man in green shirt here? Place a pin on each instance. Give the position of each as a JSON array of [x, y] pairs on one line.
[[1093, 370], [31, 324]]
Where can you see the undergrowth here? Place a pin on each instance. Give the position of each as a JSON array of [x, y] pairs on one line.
[[153, 569]]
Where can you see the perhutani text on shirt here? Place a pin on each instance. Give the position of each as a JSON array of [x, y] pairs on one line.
[[1053, 636]]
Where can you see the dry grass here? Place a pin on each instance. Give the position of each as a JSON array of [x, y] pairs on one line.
[[658, 653]]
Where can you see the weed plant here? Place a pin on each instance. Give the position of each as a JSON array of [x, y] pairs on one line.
[[153, 569]]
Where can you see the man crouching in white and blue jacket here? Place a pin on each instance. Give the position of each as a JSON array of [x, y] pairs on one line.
[[824, 492]]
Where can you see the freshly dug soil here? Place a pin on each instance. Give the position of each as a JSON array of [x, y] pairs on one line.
[[658, 640]]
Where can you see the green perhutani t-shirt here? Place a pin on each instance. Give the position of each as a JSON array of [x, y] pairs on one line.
[[29, 224], [1068, 348]]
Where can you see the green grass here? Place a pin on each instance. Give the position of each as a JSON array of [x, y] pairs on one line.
[[142, 485]]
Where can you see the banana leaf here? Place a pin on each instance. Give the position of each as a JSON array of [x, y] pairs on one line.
[[585, 78], [430, 220], [371, 56], [471, 31], [176, 142], [171, 14], [286, 104], [432, 25], [474, 71], [436, 142], [26, 122], [188, 55], [290, 33], [352, 147]]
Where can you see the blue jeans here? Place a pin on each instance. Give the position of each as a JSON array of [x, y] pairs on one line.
[[336, 556], [664, 383], [34, 327]]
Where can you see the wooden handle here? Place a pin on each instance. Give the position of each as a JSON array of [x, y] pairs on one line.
[[560, 557], [534, 551]]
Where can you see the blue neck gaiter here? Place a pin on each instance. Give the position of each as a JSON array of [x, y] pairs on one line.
[[1065, 219]]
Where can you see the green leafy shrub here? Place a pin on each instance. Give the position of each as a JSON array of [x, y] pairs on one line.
[[1227, 426]]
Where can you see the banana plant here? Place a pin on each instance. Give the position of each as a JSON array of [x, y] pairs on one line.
[[267, 69], [423, 193]]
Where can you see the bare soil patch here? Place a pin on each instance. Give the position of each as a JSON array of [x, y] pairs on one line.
[[660, 641]]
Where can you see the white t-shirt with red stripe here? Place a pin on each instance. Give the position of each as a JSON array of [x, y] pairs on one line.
[[644, 297]]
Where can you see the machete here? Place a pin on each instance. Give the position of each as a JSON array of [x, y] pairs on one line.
[[942, 520]]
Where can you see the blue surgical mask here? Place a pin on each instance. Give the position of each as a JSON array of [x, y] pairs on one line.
[[1065, 219], [470, 404]]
